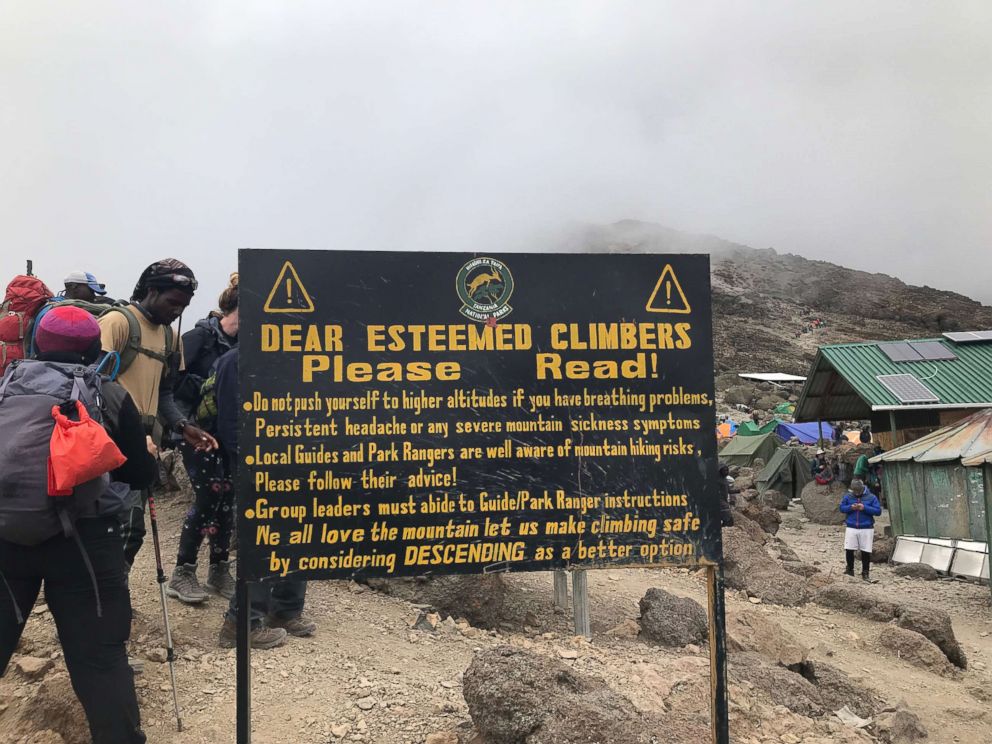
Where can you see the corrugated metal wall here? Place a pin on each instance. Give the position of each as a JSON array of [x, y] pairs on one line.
[[944, 500]]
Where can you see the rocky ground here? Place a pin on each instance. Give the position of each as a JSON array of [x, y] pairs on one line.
[[369, 677]]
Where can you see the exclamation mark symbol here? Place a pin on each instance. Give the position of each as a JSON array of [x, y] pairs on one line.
[[668, 292], [289, 291], [654, 364]]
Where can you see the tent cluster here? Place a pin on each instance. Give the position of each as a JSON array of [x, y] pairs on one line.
[[806, 433], [785, 469]]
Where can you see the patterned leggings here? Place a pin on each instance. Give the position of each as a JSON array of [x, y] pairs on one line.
[[212, 512]]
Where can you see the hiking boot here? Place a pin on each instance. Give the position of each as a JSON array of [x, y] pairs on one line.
[[300, 627], [184, 586], [260, 637], [219, 579], [864, 576], [849, 572]]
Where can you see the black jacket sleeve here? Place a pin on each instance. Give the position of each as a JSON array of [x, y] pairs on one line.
[[128, 433], [228, 403]]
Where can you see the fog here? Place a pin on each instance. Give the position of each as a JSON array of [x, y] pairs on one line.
[[849, 131]]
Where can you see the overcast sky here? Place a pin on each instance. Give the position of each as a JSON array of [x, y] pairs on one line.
[[856, 132]]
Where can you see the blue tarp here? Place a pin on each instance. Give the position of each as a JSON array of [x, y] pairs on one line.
[[807, 433]]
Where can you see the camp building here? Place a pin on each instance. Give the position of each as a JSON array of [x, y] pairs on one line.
[[907, 389]]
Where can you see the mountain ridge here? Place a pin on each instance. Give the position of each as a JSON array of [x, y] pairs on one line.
[[764, 301]]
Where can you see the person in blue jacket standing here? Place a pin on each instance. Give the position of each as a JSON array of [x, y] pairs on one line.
[[861, 507]]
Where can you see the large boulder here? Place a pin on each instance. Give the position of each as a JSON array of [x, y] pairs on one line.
[[519, 697], [916, 571], [749, 630], [915, 649], [899, 725], [670, 620], [748, 567], [858, 599], [837, 689], [783, 686], [767, 517], [822, 503], [935, 624], [752, 528], [775, 499], [882, 548], [477, 598]]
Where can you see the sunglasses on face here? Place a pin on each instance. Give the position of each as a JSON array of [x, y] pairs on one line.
[[179, 280]]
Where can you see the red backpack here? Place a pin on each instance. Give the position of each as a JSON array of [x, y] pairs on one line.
[[25, 296]]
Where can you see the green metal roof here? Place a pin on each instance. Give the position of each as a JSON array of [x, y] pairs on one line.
[[843, 384]]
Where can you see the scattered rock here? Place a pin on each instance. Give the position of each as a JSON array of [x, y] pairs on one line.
[[748, 567], [568, 653], [775, 499], [934, 624], [52, 706], [899, 726], [914, 648], [767, 517], [858, 600], [837, 689], [442, 737], [44, 737], [782, 686], [670, 620], [426, 621], [800, 569], [31, 667], [822, 503], [749, 630], [340, 731], [916, 571], [749, 526], [515, 696], [477, 598], [366, 703], [629, 628], [881, 549], [158, 655]]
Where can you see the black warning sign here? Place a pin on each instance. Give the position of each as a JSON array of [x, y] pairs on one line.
[[288, 295], [415, 422]]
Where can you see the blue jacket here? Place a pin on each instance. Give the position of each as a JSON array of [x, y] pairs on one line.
[[861, 519]]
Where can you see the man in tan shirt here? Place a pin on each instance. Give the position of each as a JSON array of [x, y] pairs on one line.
[[150, 356]]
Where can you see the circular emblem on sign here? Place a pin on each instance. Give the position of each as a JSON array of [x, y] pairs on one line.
[[484, 286]]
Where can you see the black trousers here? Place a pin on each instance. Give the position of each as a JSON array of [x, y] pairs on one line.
[[94, 647]]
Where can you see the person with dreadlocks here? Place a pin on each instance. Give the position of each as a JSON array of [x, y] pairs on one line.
[[150, 358], [212, 513]]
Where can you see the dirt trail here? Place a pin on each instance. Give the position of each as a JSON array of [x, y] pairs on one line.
[[367, 677]]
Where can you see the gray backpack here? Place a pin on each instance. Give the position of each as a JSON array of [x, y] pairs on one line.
[[28, 390]]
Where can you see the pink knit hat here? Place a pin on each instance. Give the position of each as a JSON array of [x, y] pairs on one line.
[[66, 329]]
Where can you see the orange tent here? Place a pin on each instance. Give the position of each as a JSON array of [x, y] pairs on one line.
[[723, 431]]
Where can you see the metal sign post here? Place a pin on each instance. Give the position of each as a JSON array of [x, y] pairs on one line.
[[411, 414]]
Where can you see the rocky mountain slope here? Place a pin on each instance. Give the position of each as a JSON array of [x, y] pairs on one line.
[[763, 300]]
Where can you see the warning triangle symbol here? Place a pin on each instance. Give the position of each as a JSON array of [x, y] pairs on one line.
[[668, 296], [288, 294]]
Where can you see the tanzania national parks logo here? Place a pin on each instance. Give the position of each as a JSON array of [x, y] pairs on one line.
[[484, 286]]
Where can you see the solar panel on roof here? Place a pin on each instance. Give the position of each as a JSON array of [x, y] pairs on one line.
[[969, 337], [900, 352], [932, 350], [907, 388]]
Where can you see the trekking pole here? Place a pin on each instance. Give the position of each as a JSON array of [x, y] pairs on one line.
[[169, 650]]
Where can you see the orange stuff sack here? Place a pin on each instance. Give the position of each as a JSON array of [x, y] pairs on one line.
[[80, 450]]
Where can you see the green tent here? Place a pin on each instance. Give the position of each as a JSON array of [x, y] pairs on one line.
[[787, 472], [744, 450], [785, 409], [751, 429]]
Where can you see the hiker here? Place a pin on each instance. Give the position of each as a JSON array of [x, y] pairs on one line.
[[756, 418], [212, 512], [150, 358], [865, 436], [819, 463], [861, 468], [81, 285], [861, 507], [73, 547], [838, 434], [276, 607], [842, 470], [726, 514]]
